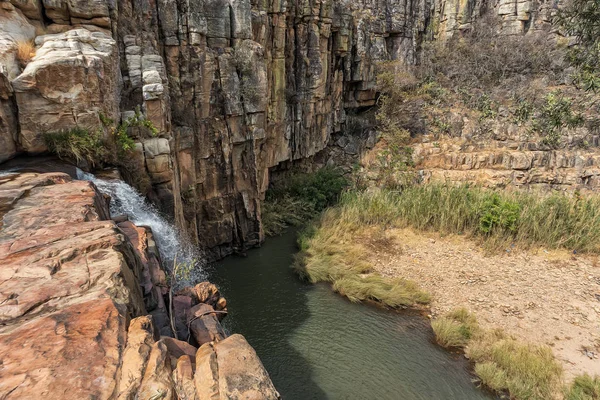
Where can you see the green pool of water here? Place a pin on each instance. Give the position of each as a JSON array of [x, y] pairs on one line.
[[317, 345]]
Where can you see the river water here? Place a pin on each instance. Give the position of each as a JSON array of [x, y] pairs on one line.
[[317, 345]]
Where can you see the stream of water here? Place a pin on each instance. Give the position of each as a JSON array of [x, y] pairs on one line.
[[317, 345]]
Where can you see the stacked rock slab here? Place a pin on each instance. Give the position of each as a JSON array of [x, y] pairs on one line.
[[73, 283]]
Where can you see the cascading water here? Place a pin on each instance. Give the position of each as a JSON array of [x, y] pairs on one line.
[[125, 200]]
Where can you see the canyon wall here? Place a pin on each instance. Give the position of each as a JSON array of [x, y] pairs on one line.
[[234, 87]]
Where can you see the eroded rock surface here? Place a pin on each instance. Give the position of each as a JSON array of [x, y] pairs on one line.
[[75, 289]]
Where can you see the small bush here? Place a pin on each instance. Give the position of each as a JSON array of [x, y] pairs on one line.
[[523, 111], [498, 213], [555, 115], [584, 387], [25, 52]]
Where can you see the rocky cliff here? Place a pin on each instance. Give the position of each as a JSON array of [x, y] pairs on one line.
[[234, 87], [75, 288]]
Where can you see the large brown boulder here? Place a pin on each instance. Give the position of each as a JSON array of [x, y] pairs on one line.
[[204, 324], [140, 339], [230, 369], [72, 79]]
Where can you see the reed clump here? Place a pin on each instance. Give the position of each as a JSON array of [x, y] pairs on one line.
[[502, 363]]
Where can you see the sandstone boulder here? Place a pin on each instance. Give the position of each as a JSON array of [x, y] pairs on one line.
[[140, 339], [231, 369], [68, 285], [204, 324], [71, 81]]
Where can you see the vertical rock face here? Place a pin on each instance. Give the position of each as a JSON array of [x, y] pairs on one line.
[[234, 87]]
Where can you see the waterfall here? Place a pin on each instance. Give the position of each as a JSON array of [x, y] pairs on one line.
[[125, 200]]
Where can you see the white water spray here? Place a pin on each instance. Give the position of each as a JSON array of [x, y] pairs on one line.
[[125, 200]]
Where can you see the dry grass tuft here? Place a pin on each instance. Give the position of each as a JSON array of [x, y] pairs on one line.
[[524, 370], [334, 250], [455, 329], [25, 52], [584, 387], [504, 364]]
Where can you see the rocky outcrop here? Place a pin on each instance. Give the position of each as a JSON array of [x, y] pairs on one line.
[[72, 80], [510, 156], [75, 290], [234, 88]]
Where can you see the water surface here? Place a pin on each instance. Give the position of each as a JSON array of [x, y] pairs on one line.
[[317, 345]]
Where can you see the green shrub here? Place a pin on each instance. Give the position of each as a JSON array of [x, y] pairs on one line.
[[555, 115], [486, 106], [584, 387], [96, 148], [498, 213], [523, 111], [579, 18], [297, 199]]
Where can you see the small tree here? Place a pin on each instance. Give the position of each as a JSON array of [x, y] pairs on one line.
[[581, 19]]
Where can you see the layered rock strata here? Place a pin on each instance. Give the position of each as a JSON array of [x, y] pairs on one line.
[[75, 290], [510, 162], [233, 87]]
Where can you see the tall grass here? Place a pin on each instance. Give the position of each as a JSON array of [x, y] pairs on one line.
[[584, 387], [334, 250], [77, 144], [504, 364], [526, 219]]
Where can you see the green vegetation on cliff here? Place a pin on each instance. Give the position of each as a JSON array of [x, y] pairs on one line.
[[580, 19], [111, 145], [298, 198]]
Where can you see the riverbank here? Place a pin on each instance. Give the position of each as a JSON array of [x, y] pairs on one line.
[[545, 299], [541, 296]]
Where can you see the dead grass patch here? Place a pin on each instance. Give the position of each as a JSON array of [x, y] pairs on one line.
[[25, 52]]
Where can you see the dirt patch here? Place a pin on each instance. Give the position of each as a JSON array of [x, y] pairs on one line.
[[541, 296]]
